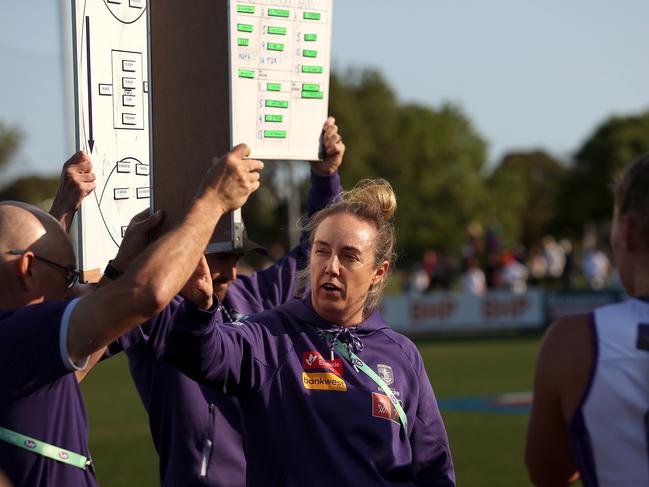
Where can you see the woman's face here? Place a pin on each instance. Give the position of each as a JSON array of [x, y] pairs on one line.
[[343, 268]]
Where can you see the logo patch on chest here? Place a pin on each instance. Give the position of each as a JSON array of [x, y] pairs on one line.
[[323, 381], [385, 372], [382, 407], [315, 360]]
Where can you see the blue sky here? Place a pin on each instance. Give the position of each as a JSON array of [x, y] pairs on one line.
[[528, 74]]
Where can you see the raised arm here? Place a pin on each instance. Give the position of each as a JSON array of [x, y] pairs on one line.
[[162, 270], [77, 182], [233, 357]]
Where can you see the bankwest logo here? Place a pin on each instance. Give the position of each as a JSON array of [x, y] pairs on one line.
[[314, 360], [323, 381], [382, 407]]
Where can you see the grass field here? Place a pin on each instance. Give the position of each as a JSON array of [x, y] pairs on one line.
[[487, 448]]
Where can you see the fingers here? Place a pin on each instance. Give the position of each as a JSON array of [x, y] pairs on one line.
[[143, 215], [241, 150], [253, 165], [151, 222], [330, 121], [331, 138], [86, 188], [80, 162]]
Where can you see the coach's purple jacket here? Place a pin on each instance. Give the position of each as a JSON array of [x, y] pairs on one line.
[[310, 418], [197, 430]]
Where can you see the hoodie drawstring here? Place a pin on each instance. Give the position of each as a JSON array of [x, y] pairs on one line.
[[347, 337]]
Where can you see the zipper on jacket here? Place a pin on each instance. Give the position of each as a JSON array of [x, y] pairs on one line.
[[207, 445]]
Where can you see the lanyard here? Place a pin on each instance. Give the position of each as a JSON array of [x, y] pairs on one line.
[[44, 449], [360, 365]]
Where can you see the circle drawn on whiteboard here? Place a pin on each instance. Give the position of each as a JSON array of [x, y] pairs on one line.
[[125, 193], [126, 11]]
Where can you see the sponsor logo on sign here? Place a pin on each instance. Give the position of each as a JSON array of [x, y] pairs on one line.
[[314, 360], [30, 444], [323, 381], [64, 455], [385, 372], [382, 407]]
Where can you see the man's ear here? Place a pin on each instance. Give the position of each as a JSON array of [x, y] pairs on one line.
[[380, 273], [24, 270]]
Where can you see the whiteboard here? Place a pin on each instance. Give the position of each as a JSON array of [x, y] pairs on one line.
[[112, 122], [279, 76]]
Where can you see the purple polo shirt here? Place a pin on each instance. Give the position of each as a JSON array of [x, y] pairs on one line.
[[295, 398], [197, 430], [39, 395]]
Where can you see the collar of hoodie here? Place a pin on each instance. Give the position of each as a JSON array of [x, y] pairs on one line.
[[350, 336]]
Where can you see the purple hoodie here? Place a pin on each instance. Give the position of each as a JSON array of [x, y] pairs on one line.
[[39, 395], [310, 419], [197, 430]]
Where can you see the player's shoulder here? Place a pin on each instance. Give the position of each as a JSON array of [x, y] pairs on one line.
[[568, 330], [567, 351]]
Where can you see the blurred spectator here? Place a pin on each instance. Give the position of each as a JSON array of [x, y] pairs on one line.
[[492, 239], [492, 269], [419, 280], [473, 246], [473, 279], [537, 264], [595, 267], [513, 274], [555, 257], [568, 268]]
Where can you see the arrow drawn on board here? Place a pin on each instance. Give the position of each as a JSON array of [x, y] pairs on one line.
[[91, 139]]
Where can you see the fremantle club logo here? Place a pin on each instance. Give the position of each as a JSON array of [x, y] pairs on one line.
[[385, 372]]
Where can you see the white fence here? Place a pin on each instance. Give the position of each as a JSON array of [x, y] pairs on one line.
[[497, 310]]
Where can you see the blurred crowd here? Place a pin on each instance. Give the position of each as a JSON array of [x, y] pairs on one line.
[[485, 263]]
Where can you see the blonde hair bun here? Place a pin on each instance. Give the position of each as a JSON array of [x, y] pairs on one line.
[[376, 194]]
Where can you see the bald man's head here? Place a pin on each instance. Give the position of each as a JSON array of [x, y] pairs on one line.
[[29, 229]]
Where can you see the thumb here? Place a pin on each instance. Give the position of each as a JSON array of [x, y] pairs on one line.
[[151, 222]]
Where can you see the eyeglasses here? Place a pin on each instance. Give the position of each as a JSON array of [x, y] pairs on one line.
[[71, 275]]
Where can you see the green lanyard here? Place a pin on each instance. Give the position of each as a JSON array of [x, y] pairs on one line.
[[360, 365], [44, 449]]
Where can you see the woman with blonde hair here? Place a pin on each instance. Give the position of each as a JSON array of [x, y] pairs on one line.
[[330, 394]]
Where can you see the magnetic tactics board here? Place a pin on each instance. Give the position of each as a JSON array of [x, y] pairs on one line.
[[230, 72], [112, 122], [279, 75], [220, 73]]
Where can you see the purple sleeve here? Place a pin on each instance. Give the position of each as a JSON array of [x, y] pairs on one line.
[[323, 190], [274, 286], [152, 333], [30, 351], [432, 461], [230, 357]]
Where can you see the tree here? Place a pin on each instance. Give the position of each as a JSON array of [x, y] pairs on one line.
[[585, 196], [36, 190], [523, 191], [433, 158]]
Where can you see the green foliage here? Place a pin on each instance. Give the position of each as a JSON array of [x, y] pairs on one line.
[[432, 157], [585, 196], [37, 190], [523, 191]]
